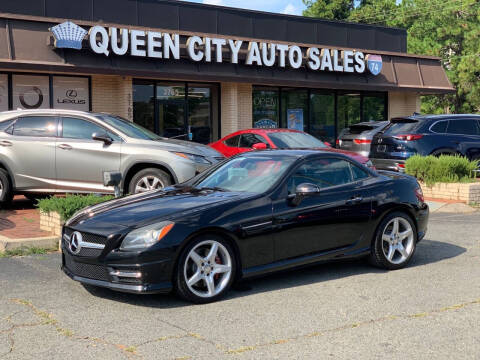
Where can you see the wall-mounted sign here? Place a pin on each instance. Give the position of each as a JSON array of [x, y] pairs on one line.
[[70, 93], [374, 63], [158, 45], [30, 92], [265, 124]]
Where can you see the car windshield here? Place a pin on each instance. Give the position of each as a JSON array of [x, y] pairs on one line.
[[128, 128], [255, 174], [289, 140]]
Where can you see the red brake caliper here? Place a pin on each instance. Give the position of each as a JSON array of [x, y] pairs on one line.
[[218, 261]]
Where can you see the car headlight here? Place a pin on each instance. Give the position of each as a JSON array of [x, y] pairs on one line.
[[195, 158], [147, 236]]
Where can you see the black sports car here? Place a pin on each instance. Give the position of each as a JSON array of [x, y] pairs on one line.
[[250, 215]]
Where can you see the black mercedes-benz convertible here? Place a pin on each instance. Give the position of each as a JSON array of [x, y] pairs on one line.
[[247, 216]]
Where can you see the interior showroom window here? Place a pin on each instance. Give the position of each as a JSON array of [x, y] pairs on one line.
[[30, 92]]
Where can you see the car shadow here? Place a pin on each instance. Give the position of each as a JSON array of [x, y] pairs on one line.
[[428, 252]]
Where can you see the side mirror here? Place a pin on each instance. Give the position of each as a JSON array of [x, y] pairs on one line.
[[304, 190], [259, 146], [102, 137]]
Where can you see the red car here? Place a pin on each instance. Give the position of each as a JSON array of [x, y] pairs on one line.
[[258, 139]]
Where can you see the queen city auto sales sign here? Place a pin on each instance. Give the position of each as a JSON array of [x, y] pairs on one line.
[[159, 45]]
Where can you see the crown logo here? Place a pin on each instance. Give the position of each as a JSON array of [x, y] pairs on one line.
[[68, 35]]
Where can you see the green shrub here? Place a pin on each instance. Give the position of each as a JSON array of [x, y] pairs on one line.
[[70, 204], [445, 168]]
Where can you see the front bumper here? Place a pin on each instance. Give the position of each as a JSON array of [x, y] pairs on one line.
[[132, 278], [389, 164]]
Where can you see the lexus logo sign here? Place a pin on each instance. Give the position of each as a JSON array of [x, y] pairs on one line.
[[72, 94], [76, 242]]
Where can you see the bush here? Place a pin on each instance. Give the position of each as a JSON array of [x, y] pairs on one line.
[[445, 168], [70, 204]]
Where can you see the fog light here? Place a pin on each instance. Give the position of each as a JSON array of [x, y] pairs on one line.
[[126, 274]]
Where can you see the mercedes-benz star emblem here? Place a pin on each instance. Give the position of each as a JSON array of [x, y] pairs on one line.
[[76, 242]]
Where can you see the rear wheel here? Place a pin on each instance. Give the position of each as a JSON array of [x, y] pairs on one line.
[[149, 179], [395, 242], [206, 270], [6, 190]]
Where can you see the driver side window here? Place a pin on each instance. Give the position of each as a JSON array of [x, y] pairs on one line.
[[323, 172], [73, 128], [248, 140]]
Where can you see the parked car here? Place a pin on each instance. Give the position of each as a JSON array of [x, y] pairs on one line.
[[48, 151], [253, 214], [260, 139], [358, 137], [425, 135]]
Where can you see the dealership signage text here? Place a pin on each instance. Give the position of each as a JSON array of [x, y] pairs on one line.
[[160, 45]]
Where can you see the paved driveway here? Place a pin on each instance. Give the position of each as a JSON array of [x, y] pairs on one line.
[[348, 310]]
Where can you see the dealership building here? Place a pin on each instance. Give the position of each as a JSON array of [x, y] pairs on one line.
[[199, 72]]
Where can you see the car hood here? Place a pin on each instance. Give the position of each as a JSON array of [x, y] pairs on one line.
[[360, 158], [178, 145], [143, 209]]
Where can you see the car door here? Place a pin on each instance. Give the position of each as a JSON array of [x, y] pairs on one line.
[[28, 148], [466, 135], [335, 218], [80, 160]]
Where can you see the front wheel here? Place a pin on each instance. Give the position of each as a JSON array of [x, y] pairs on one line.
[[395, 242], [6, 191], [149, 179], [206, 270]]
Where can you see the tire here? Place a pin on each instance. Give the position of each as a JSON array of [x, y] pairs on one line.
[[218, 270], [6, 190], [35, 196], [394, 252], [149, 179], [441, 152]]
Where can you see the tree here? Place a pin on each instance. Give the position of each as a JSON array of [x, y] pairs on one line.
[[329, 9], [448, 29]]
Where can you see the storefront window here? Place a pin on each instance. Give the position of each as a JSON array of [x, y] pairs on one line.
[[199, 113], [265, 108], [143, 105], [3, 92], [295, 109], [374, 108], [30, 92], [70, 93], [348, 111], [171, 111], [322, 116]]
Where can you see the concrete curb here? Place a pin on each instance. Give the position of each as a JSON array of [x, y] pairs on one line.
[[46, 242]]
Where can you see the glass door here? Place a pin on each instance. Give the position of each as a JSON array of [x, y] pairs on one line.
[[199, 112], [171, 109], [322, 116]]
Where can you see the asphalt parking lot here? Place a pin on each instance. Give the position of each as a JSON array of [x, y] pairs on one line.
[[343, 310]]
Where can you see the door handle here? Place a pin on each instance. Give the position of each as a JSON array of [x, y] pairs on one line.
[[65, 147], [354, 200], [5, 143]]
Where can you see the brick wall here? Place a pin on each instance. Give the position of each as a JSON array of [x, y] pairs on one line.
[[402, 104], [112, 94], [236, 107], [466, 192]]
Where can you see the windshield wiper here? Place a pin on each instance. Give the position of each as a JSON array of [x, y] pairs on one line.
[[215, 188]]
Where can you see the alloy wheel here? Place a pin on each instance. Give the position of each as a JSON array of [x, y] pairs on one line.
[[398, 240], [208, 269], [148, 183]]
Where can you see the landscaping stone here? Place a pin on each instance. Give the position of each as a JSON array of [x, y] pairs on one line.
[[465, 192]]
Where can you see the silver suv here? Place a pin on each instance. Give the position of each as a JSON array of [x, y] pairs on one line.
[[48, 151]]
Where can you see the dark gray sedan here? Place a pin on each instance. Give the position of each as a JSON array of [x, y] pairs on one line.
[[358, 137]]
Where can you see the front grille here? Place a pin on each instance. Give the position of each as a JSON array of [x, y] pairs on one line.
[[87, 237], [85, 252], [90, 271]]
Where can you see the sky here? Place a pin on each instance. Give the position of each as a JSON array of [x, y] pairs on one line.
[[292, 7]]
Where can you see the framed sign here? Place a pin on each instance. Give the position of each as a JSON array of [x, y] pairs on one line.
[[70, 93], [3, 92], [30, 92], [295, 119]]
